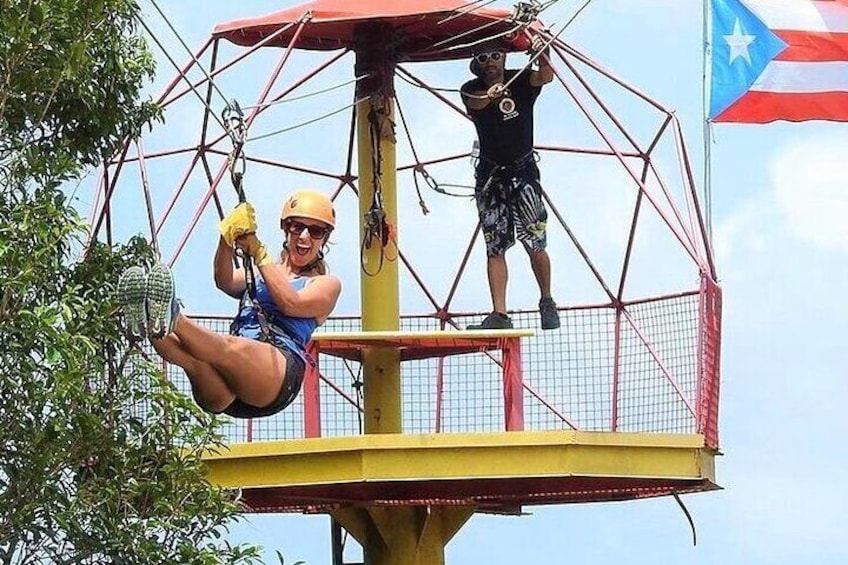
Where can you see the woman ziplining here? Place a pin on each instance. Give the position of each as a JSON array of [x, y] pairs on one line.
[[257, 370]]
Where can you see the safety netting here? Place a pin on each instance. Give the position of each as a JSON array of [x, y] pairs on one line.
[[646, 367]]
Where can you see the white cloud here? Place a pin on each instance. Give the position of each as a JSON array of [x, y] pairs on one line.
[[744, 232], [811, 190]]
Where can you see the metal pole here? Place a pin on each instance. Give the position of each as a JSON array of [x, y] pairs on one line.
[[378, 212]]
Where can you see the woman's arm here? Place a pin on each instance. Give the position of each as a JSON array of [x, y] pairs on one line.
[[315, 300], [227, 278]]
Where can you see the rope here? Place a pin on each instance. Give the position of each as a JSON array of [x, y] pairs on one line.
[[577, 13], [418, 164], [307, 122], [524, 15], [434, 88], [469, 7], [688, 517], [432, 48], [236, 129], [419, 169], [188, 50], [458, 90], [465, 33], [308, 95], [536, 56], [176, 66]]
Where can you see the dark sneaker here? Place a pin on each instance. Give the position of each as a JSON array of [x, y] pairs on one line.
[[132, 290], [549, 314], [162, 306], [494, 321]]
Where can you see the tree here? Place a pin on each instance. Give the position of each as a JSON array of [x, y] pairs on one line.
[[70, 76], [99, 455]]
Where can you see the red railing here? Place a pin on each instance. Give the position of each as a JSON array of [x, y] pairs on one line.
[[709, 357], [655, 372]]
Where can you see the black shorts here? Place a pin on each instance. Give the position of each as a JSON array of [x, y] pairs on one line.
[[295, 369]]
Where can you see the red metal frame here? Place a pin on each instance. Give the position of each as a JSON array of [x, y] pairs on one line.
[[312, 394], [418, 347], [686, 225], [709, 356], [513, 385]]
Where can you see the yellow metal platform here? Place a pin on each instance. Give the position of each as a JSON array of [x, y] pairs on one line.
[[494, 470]]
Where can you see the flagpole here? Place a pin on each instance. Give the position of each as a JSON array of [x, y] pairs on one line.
[[706, 60]]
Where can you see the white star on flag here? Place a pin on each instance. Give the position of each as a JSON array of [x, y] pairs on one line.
[[739, 42]]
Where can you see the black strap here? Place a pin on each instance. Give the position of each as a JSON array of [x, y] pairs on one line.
[[516, 166]]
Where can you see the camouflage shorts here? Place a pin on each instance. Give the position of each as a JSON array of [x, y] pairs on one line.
[[510, 206]]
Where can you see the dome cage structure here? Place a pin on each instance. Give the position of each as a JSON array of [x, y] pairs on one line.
[[407, 419]]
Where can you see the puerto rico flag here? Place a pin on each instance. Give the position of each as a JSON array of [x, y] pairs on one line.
[[779, 60]]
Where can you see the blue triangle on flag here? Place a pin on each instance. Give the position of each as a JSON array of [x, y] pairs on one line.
[[742, 46]]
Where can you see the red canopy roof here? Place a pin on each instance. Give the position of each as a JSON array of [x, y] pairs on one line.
[[419, 23]]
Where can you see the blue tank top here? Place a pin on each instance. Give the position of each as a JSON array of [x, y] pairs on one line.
[[289, 331]]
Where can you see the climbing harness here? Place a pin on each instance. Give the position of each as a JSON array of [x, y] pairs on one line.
[[509, 173], [233, 118], [377, 230]]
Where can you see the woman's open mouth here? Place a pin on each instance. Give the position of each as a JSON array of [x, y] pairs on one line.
[[302, 250]]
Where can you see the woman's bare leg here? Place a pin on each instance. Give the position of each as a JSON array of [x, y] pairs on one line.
[[208, 386], [253, 370]]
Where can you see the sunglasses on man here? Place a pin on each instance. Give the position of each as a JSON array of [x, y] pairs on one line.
[[482, 58], [296, 228]]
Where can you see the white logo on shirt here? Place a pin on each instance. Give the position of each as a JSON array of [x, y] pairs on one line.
[[507, 108]]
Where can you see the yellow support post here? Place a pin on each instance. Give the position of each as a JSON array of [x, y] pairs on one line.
[[395, 535], [379, 276], [389, 535]]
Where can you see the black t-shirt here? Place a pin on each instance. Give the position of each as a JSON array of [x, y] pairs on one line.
[[505, 125]]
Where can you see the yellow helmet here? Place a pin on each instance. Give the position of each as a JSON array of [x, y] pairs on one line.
[[309, 204]]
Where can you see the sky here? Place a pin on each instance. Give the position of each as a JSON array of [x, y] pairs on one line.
[[780, 198]]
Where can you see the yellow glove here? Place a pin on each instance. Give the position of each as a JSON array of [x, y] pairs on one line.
[[241, 221], [255, 248]]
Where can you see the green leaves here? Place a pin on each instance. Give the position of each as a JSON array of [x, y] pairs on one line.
[[99, 455], [71, 75]]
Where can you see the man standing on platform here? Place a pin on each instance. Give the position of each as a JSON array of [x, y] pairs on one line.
[[507, 190]]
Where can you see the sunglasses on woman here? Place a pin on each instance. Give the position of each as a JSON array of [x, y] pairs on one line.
[[494, 56], [315, 232]]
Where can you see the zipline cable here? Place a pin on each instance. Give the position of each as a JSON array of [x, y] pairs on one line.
[[188, 50], [469, 7], [176, 66], [307, 122], [307, 95]]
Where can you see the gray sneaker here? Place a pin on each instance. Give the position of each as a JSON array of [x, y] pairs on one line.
[[132, 290], [162, 306], [494, 321], [549, 314]]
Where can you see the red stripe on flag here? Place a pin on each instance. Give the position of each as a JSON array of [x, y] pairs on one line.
[[813, 46], [764, 107]]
